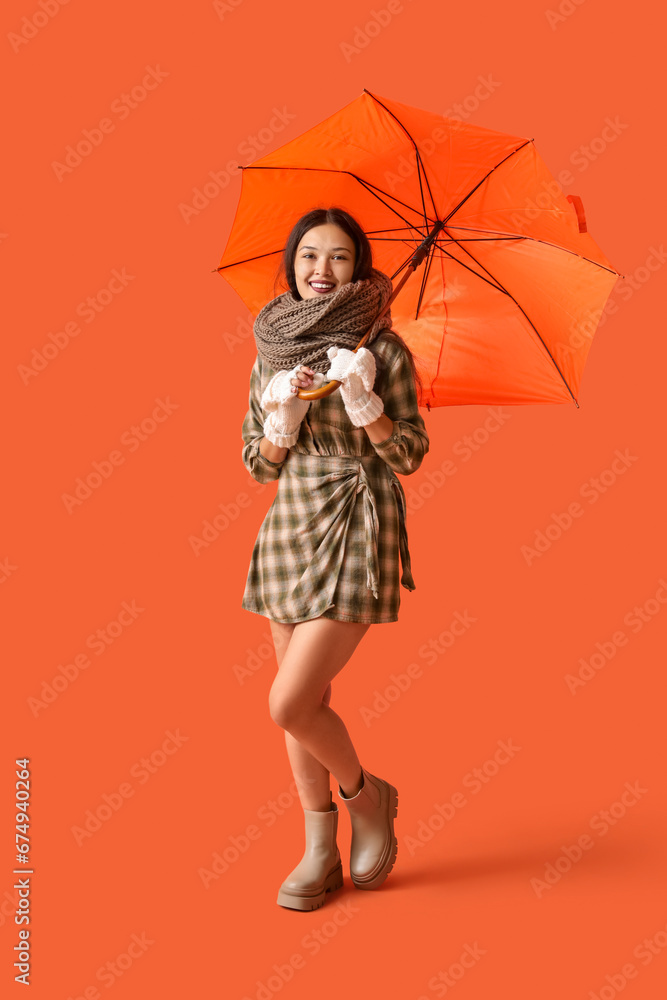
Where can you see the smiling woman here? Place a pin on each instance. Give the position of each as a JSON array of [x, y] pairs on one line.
[[332, 552]]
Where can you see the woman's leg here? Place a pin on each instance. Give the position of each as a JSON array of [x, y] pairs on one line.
[[311, 777], [317, 650]]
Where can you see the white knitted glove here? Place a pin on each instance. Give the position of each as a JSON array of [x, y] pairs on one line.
[[285, 409], [355, 370]]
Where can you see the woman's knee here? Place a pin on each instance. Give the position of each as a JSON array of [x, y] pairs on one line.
[[292, 710]]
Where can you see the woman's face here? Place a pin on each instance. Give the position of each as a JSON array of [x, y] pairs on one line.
[[324, 261]]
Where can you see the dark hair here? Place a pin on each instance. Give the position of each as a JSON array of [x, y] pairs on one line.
[[363, 264]]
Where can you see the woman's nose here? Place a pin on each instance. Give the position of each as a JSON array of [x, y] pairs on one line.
[[323, 266]]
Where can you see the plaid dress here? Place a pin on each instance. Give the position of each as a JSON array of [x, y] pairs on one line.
[[329, 545]]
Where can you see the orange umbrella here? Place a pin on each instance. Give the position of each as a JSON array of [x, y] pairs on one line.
[[512, 286]]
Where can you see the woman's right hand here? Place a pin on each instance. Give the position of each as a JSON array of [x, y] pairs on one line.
[[304, 379], [282, 388], [285, 409]]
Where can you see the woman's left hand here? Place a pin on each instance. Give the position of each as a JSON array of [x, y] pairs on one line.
[[355, 370], [345, 364]]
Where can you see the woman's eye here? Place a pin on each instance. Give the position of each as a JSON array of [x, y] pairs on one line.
[[336, 256]]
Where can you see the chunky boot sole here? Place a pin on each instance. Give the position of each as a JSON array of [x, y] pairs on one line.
[[376, 877], [315, 899]]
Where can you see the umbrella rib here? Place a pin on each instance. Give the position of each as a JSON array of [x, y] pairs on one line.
[[368, 187], [521, 309], [428, 222], [397, 239], [421, 189], [493, 284], [471, 192], [394, 229], [472, 239], [547, 243], [424, 279], [417, 153], [371, 188], [535, 239], [247, 260]]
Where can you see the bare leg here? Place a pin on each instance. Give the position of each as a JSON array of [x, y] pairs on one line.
[[311, 777], [317, 650]]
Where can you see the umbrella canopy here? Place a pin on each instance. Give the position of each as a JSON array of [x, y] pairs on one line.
[[504, 307]]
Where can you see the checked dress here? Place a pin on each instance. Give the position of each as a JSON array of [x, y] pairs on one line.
[[330, 542]]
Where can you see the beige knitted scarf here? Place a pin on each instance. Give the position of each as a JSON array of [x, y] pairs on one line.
[[290, 332]]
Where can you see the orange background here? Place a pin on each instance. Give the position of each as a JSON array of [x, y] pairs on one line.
[[174, 666]]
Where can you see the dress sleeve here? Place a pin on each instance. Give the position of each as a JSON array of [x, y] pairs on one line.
[[259, 467], [405, 448]]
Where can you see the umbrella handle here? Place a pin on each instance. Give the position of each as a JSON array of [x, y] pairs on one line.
[[327, 388]]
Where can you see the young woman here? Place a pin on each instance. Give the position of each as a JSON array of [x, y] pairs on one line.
[[325, 565]]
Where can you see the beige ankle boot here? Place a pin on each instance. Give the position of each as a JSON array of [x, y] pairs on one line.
[[374, 845], [320, 870]]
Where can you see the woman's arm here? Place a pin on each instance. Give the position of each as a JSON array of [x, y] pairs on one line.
[[399, 435], [262, 458], [380, 429]]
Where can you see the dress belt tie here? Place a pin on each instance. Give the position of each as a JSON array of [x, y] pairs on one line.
[[343, 466], [372, 530]]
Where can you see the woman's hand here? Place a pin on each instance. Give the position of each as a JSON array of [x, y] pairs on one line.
[[285, 409], [303, 378], [355, 370]]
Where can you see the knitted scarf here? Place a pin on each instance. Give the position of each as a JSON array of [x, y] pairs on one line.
[[290, 332]]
